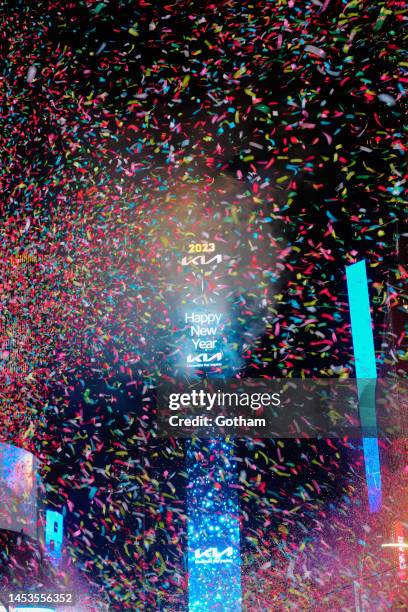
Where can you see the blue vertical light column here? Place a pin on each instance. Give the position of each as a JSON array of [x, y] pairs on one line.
[[54, 532], [366, 373], [214, 563]]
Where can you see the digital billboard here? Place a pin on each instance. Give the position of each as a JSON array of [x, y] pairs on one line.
[[18, 490]]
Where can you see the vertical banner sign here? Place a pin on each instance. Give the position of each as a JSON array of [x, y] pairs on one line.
[[401, 550], [364, 354], [54, 532], [214, 562]]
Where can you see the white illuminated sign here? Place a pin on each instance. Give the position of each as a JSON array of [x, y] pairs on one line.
[[204, 327], [201, 260], [401, 553], [213, 555], [204, 358], [203, 318]]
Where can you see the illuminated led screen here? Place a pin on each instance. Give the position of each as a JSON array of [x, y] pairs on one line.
[[18, 490]]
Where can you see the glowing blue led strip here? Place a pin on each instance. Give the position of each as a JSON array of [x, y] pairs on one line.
[[366, 371], [214, 562]]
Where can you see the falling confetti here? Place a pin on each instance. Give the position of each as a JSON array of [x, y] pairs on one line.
[[129, 129]]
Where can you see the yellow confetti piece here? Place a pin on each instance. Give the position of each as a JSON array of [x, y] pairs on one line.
[[239, 72], [185, 81]]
